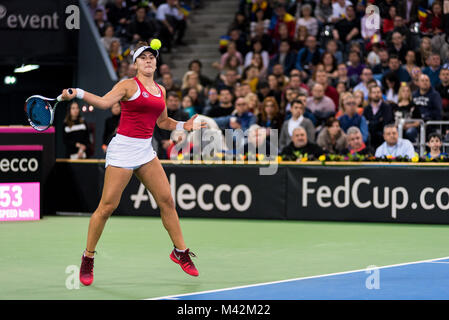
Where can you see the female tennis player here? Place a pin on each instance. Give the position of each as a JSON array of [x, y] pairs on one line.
[[143, 105]]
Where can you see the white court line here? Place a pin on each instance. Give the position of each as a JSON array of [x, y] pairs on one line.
[[437, 262], [296, 279]]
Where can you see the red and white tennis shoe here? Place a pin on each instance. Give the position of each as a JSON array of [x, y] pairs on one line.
[[184, 260], [87, 270]]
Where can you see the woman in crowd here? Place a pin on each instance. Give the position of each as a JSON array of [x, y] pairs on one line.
[[332, 138], [76, 133]]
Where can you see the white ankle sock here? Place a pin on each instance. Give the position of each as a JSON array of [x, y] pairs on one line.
[[177, 250]]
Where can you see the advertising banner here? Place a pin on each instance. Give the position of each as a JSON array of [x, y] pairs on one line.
[[213, 191], [382, 194], [39, 30]]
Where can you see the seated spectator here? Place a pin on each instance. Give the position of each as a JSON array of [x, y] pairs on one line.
[[115, 54], [365, 77], [100, 21], [225, 106], [118, 15], [321, 78], [259, 20], [330, 65], [390, 87], [258, 144], [94, 8], [143, 28], [174, 111], [187, 106], [179, 145], [398, 47], [240, 22], [281, 16], [427, 100], [332, 138], [270, 116], [300, 147], [307, 20], [355, 67], [196, 65], [299, 42], [410, 61], [378, 114], [285, 57], [339, 10], [415, 74], [434, 143], [443, 90], [227, 80], [348, 28], [211, 101], [191, 80], [297, 119], [382, 67], [257, 48], [169, 84], [230, 51], [76, 133], [197, 99], [308, 56], [173, 23], [275, 88], [332, 47], [111, 125], [394, 65], [307, 113], [351, 118], [240, 118], [433, 69], [342, 76], [109, 37], [323, 12], [321, 106], [261, 34], [355, 143], [433, 23], [393, 145], [387, 22]]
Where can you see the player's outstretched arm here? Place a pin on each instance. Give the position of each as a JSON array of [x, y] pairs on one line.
[[117, 93]]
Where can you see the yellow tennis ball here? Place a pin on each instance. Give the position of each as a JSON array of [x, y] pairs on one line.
[[155, 44]]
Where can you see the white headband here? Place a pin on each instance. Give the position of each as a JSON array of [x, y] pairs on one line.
[[142, 49]]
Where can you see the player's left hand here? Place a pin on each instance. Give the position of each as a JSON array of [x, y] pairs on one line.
[[191, 124]]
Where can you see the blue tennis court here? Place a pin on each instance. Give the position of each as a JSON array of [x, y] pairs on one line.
[[421, 280]]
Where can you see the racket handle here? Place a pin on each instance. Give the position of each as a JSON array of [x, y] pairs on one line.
[[59, 98]]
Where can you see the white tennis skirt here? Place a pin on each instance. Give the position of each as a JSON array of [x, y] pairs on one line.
[[129, 153]]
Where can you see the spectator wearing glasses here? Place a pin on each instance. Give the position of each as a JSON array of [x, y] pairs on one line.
[[351, 118]]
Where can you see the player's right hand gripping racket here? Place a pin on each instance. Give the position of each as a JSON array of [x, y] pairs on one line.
[[40, 112]]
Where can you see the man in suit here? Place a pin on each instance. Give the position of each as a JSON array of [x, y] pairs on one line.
[[378, 114]]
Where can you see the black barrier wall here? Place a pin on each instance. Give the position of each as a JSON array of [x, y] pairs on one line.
[[376, 193]]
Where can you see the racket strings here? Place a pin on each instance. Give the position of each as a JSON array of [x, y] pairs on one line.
[[39, 112]]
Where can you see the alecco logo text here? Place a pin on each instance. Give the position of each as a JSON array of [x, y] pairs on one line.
[[48, 21], [16, 165], [187, 197]]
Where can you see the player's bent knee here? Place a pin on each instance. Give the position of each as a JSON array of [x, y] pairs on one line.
[[167, 203], [105, 210]]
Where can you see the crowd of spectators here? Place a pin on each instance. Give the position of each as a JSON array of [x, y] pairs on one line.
[[316, 65]]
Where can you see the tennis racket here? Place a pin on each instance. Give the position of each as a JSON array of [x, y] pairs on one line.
[[40, 112]]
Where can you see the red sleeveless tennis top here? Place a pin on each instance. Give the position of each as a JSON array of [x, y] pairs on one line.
[[138, 116]]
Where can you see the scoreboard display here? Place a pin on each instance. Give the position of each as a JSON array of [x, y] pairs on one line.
[[20, 182]]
